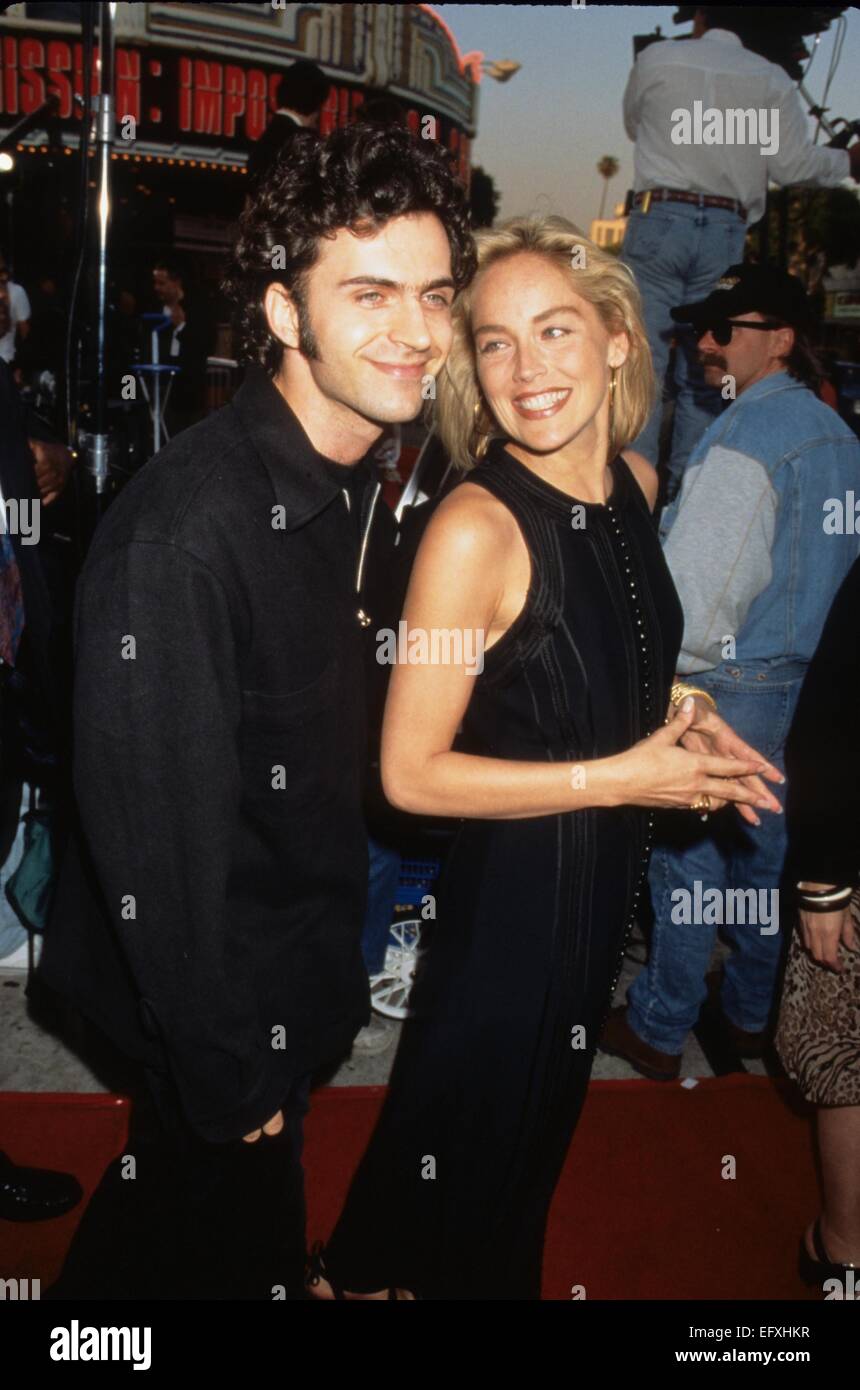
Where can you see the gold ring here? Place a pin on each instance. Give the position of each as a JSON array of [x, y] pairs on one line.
[[701, 803]]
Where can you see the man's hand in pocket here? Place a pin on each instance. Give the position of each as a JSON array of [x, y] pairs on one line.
[[272, 1126]]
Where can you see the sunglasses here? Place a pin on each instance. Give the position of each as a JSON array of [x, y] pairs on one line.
[[721, 330]]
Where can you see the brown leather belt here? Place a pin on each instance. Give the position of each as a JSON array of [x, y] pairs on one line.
[[676, 195]]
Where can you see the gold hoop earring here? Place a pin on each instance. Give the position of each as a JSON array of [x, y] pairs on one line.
[[613, 384]]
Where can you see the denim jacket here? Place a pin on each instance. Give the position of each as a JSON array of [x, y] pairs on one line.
[[759, 539]]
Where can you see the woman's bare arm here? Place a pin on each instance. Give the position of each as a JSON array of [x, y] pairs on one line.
[[459, 584]]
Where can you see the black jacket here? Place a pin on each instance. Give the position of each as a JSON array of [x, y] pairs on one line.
[[822, 809], [218, 769], [275, 139]]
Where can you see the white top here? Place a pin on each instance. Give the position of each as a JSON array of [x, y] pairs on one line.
[[19, 311], [716, 71]]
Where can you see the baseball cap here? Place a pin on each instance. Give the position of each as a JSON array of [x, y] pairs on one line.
[[748, 289]]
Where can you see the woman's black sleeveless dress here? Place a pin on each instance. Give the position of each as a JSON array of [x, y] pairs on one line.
[[451, 1197]]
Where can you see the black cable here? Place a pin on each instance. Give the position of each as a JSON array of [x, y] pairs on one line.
[[835, 58], [83, 216]]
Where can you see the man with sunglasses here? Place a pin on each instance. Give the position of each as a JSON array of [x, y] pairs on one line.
[[757, 562]]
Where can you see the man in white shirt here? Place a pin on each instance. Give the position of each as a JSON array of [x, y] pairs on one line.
[[712, 123], [19, 313]]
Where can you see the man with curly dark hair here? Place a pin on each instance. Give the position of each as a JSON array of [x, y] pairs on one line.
[[222, 625]]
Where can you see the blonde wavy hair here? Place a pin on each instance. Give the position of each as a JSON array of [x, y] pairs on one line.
[[460, 413]]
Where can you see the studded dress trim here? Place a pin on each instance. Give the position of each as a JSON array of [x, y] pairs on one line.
[[647, 687]]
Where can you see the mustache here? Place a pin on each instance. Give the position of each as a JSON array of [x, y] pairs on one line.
[[708, 359]]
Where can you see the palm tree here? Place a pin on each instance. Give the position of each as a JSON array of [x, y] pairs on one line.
[[607, 168]]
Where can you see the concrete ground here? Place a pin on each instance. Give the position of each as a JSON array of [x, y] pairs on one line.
[[34, 1057]]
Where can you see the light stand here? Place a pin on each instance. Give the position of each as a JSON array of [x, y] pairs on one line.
[[94, 445]]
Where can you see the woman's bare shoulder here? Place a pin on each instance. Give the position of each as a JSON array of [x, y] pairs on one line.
[[471, 508], [464, 555]]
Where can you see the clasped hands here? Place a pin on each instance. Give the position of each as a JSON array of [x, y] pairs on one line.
[[707, 734]]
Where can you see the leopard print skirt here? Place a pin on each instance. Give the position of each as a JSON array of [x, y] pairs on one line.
[[818, 1034]]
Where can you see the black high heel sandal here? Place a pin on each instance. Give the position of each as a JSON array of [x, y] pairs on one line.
[[316, 1271], [815, 1271]]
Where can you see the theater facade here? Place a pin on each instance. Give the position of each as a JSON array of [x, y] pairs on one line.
[[195, 87]]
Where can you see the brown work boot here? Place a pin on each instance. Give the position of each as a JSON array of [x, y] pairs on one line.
[[619, 1040]]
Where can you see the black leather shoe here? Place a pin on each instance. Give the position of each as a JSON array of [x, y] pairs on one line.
[[316, 1271], [35, 1194]]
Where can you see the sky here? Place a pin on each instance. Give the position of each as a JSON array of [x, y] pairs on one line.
[[541, 133]]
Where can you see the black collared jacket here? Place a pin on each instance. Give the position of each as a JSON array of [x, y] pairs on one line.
[[221, 740]]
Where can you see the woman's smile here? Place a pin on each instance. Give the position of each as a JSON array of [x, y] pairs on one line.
[[540, 405]]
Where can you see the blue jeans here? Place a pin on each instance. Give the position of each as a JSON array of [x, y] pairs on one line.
[[678, 252], [723, 853], [383, 878]]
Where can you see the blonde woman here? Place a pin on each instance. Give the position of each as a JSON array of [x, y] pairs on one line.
[[546, 559]]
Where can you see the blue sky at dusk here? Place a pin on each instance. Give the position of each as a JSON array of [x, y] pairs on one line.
[[541, 133]]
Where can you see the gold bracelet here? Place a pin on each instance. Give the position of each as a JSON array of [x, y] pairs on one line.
[[680, 691]]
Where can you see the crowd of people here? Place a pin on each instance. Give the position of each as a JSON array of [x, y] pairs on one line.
[[664, 705]]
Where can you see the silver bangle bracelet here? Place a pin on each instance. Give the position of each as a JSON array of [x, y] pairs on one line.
[[822, 892], [832, 897], [815, 907]]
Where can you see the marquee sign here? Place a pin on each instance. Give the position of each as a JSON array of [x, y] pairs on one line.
[[170, 95], [188, 79]]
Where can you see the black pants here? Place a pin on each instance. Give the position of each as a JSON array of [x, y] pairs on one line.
[[197, 1220]]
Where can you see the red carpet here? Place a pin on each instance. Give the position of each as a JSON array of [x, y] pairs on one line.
[[78, 1134], [642, 1210]]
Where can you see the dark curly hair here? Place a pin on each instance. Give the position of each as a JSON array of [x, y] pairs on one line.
[[359, 177]]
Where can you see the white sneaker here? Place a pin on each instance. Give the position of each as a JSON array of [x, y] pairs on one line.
[[390, 989], [376, 1037]]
